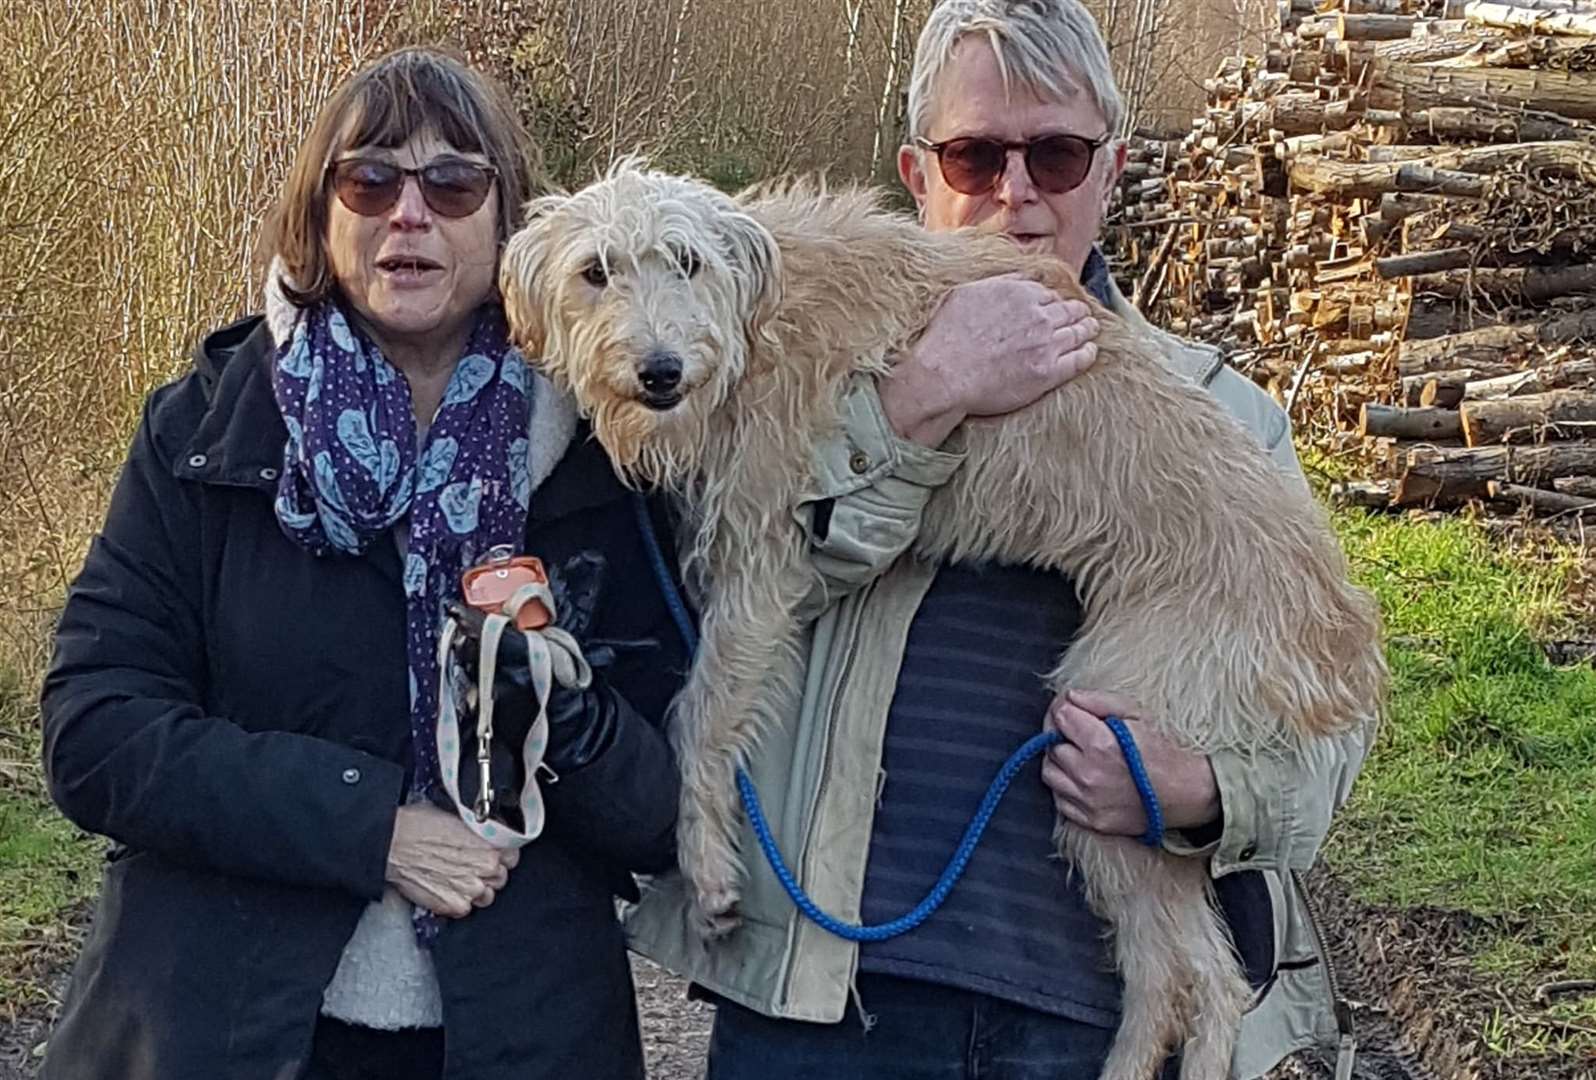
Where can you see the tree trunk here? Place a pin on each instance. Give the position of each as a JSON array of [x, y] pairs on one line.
[[1430, 317], [851, 11], [1375, 27], [1373, 495], [1529, 418], [1448, 476], [1305, 114], [1444, 388], [889, 85], [1427, 262], [1583, 486], [1529, 285], [1411, 87], [1537, 380], [1443, 391], [1376, 421], [1380, 7], [1550, 502], [1429, 48], [1479, 350], [1442, 229], [1346, 180], [1453, 10], [1567, 156], [1515, 17], [1484, 125]]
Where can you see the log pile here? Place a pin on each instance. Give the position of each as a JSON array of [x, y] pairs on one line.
[[1389, 220]]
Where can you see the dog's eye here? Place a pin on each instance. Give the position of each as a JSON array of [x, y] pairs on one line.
[[689, 261], [595, 274]]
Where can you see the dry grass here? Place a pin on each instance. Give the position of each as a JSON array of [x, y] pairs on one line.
[[144, 138], [135, 161]]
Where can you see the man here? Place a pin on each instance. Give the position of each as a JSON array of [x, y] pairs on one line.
[[922, 679]]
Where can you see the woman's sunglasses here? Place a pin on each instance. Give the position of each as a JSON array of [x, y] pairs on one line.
[[973, 166], [452, 188]]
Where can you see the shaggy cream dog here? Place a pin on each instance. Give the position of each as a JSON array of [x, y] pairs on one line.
[[709, 338]]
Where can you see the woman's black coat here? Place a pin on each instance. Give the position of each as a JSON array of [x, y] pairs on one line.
[[233, 712]]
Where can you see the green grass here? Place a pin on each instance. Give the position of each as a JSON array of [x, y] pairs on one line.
[[47, 867], [1481, 793]]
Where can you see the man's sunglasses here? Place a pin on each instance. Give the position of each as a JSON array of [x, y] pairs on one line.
[[451, 187], [973, 166]]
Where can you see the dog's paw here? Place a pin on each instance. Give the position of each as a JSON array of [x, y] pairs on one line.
[[716, 914], [716, 897]]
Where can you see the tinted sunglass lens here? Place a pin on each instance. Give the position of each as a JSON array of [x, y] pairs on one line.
[[455, 189], [1059, 163], [367, 187], [972, 166]]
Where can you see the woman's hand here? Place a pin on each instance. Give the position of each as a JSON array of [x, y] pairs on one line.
[[438, 863]]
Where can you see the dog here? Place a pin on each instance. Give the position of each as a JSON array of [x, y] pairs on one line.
[[710, 339]]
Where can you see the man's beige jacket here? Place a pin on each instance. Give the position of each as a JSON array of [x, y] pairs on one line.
[[818, 775]]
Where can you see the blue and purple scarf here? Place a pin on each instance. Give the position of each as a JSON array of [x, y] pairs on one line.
[[353, 470]]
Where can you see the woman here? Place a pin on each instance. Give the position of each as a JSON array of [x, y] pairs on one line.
[[244, 681]]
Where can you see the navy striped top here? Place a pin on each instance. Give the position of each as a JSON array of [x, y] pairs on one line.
[[969, 693]]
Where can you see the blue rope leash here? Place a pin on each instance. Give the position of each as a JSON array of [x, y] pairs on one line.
[[950, 874], [922, 911], [1154, 836], [662, 574]]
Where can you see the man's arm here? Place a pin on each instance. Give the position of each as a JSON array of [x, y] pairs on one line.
[[992, 347]]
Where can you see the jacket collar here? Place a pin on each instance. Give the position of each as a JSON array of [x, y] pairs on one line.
[[239, 440], [1196, 361]]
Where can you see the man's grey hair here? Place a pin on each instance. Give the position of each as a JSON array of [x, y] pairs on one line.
[[1052, 47]]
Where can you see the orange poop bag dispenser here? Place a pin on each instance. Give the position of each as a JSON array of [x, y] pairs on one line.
[[489, 584]]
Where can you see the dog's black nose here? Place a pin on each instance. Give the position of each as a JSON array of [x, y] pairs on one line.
[[661, 374]]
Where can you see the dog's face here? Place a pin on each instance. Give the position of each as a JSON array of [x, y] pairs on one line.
[[640, 295]]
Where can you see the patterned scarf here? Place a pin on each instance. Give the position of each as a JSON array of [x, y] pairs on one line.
[[353, 469]]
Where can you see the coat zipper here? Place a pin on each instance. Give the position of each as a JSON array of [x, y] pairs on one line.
[[1347, 1050], [820, 788]]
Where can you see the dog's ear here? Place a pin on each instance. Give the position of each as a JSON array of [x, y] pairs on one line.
[[521, 270], [757, 260]]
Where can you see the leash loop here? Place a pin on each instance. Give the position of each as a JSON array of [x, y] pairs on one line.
[[553, 655], [1154, 836]]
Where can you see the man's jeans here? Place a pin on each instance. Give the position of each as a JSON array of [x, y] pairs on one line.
[[921, 1031]]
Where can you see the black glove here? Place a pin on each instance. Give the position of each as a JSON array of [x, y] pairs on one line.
[[582, 723]]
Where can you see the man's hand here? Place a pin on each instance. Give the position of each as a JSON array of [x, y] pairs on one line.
[[1092, 785], [993, 346], [438, 863]]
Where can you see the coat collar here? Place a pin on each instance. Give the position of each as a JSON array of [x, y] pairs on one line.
[[1195, 360]]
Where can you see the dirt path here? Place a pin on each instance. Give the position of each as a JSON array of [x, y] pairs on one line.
[[675, 1030], [1415, 1022]]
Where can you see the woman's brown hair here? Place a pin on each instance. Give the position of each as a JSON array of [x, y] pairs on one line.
[[397, 96]]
